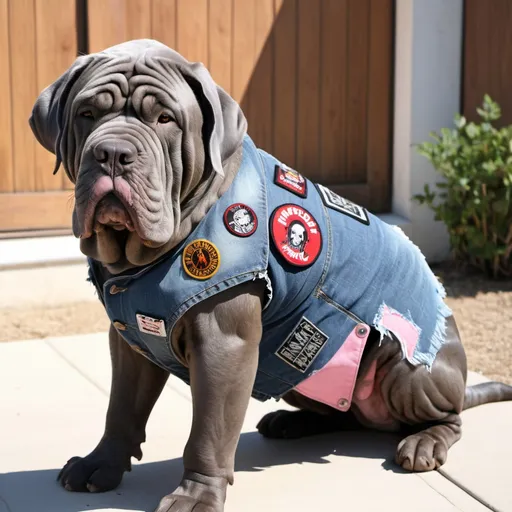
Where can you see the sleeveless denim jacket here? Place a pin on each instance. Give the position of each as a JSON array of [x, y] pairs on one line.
[[316, 319]]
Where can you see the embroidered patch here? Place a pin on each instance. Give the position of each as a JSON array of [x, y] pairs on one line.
[[342, 205], [201, 259], [151, 325], [303, 345], [296, 235], [240, 220], [291, 180]]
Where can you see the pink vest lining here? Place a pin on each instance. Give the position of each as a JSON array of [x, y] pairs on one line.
[[334, 384]]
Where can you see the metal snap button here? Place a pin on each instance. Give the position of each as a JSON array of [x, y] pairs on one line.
[[361, 331], [119, 326], [116, 289], [343, 402]]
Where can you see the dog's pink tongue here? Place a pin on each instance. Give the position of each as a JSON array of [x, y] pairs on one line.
[[111, 212]]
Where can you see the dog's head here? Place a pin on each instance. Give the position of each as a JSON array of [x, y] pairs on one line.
[[144, 135]]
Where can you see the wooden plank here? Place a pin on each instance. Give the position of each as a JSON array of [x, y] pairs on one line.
[[106, 20], [477, 70], [37, 210], [22, 40], [138, 19], [6, 166], [500, 58], [243, 52], [192, 33], [380, 81], [115, 21], [55, 52], [260, 97], [357, 108], [163, 22], [333, 116], [220, 40], [487, 57], [285, 80], [308, 92]]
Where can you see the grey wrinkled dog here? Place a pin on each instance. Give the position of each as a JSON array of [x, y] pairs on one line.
[[166, 194]]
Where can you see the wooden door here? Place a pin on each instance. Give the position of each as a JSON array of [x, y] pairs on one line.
[[37, 43], [487, 56], [314, 78]]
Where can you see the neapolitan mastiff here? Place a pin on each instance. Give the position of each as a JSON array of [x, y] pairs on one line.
[[223, 266]]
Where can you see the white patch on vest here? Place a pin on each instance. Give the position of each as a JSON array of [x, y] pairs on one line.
[[342, 205], [150, 325], [303, 345]]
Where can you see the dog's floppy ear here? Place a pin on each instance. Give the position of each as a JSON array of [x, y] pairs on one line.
[[46, 120], [224, 122]]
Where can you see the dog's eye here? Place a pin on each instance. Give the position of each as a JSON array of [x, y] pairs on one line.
[[164, 118], [86, 113]]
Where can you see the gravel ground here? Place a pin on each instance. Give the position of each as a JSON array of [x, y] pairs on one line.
[[482, 307]]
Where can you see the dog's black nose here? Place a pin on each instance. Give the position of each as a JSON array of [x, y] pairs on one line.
[[116, 154]]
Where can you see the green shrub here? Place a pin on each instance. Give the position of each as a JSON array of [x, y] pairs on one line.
[[474, 199]]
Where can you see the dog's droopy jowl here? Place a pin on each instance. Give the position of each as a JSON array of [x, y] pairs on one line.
[[219, 264]]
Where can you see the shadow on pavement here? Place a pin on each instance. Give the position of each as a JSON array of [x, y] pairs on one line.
[[148, 482]]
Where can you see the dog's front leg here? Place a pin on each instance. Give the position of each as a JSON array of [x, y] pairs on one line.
[[221, 349], [136, 385]]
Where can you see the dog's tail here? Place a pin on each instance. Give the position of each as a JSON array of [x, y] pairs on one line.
[[486, 393]]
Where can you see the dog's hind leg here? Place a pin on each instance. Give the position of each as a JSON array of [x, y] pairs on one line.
[[428, 403], [433, 401], [136, 385]]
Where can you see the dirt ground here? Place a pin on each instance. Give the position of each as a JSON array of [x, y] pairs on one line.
[[483, 309]]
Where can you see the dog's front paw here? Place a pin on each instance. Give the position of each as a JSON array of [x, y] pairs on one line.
[[102, 470], [89, 475], [421, 452], [177, 503], [197, 493]]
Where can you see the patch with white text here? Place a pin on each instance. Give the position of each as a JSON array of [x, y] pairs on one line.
[[151, 325], [296, 235], [303, 345], [201, 259], [240, 220], [291, 180], [342, 205]]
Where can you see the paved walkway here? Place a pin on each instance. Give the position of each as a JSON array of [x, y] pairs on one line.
[[53, 400]]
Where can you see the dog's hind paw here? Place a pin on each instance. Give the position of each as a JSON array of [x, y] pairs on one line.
[[421, 452], [295, 424]]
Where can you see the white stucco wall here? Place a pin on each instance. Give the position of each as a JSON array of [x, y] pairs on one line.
[[428, 59]]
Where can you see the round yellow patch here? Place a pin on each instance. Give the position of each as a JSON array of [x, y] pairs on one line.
[[201, 259]]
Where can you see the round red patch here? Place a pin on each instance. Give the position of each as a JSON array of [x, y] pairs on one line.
[[240, 220], [296, 235]]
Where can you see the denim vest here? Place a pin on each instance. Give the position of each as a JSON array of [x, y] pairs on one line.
[[367, 274]]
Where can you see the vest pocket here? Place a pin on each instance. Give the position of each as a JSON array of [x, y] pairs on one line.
[[322, 295]]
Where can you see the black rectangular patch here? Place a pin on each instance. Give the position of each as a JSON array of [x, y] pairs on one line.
[[302, 345], [342, 205]]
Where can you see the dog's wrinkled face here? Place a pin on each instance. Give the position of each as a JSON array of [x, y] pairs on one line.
[[143, 134]]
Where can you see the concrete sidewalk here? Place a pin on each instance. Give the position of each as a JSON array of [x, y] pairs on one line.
[[53, 399]]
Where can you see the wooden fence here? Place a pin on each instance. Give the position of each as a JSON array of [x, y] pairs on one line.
[[314, 78]]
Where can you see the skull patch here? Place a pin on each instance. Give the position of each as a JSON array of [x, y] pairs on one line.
[[240, 220], [296, 235]]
